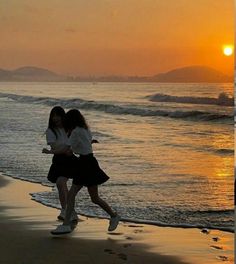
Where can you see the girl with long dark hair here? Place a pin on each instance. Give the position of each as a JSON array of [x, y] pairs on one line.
[[59, 171], [88, 171]]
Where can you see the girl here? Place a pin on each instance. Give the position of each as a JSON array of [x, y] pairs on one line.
[[61, 162], [89, 173]]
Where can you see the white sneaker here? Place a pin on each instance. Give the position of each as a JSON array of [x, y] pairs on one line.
[[74, 216], [114, 221], [62, 215], [62, 229]]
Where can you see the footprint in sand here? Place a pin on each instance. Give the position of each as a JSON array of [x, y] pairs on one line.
[[127, 245], [108, 250], [216, 247], [223, 258], [122, 256], [129, 238], [215, 239], [135, 226], [138, 231]]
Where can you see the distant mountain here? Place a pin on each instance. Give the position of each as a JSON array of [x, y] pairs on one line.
[[192, 74], [30, 73], [186, 74]]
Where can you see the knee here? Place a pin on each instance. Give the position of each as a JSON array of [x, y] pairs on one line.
[[61, 182], [73, 191], [71, 196], [95, 199]]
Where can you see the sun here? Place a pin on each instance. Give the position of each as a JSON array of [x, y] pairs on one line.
[[228, 50]]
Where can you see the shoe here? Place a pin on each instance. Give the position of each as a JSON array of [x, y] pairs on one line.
[[62, 215], [74, 216], [62, 229], [114, 221]]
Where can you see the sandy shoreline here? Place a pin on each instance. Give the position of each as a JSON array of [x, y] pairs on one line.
[[26, 238]]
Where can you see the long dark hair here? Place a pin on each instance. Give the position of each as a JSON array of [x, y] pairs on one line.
[[74, 118], [56, 110]]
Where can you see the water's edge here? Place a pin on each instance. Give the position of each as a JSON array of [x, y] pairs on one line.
[[135, 221]]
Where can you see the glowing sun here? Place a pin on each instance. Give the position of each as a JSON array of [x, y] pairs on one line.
[[228, 50]]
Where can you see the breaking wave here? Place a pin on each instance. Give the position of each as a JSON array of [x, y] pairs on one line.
[[223, 99], [194, 115]]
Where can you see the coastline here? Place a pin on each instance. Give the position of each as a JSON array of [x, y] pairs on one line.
[[26, 237]]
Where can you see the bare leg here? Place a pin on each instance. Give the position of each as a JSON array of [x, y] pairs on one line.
[[93, 192], [71, 202], [62, 191]]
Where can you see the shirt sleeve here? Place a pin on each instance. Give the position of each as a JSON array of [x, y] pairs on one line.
[[50, 137], [73, 139]]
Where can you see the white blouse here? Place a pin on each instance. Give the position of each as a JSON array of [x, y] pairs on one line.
[[60, 141], [81, 141]]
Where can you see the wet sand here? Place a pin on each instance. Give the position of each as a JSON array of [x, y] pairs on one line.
[[26, 239]]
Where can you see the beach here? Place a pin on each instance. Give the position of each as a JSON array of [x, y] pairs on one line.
[[26, 238], [170, 168], [154, 82], [169, 163]]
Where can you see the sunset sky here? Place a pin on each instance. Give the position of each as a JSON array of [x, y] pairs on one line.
[[120, 37]]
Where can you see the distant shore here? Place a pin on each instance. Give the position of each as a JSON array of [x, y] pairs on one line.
[[189, 74]]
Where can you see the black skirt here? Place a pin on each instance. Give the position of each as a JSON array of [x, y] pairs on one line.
[[62, 166], [88, 172]]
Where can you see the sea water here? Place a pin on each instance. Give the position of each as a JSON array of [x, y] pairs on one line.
[[168, 148]]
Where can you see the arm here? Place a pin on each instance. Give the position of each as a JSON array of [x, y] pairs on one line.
[[63, 150]]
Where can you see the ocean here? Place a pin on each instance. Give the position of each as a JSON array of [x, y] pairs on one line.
[[168, 148]]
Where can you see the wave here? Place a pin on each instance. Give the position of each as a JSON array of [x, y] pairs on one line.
[[118, 109], [48, 199], [46, 202], [223, 99], [219, 211]]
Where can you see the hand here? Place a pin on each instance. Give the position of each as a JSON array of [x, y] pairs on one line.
[[46, 151], [69, 152]]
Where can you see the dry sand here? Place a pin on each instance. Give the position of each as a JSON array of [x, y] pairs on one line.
[[26, 239]]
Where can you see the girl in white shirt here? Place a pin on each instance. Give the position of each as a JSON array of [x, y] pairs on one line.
[[59, 171], [88, 172]]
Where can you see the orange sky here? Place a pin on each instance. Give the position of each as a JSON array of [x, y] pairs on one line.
[[122, 37]]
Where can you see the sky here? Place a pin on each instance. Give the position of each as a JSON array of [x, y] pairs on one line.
[[116, 37]]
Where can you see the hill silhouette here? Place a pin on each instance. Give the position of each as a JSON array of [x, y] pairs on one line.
[[30, 73], [186, 74], [192, 74]]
